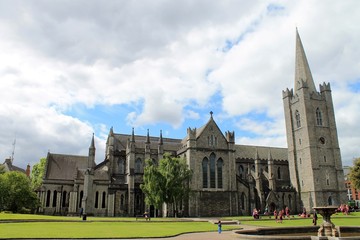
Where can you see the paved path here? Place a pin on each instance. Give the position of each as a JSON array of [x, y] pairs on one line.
[[226, 235]]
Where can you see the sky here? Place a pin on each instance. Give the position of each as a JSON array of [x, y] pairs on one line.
[[69, 69]]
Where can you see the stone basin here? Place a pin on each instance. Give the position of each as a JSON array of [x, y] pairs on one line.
[[305, 233]]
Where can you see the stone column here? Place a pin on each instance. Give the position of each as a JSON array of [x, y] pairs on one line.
[[111, 202]]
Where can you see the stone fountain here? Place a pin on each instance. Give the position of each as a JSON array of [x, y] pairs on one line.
[[327, 228]]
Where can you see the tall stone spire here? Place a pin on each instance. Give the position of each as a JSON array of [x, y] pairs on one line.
[[302, 69]]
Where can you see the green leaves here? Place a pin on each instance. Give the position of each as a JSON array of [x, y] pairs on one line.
[[16, 194], [355, 173], [37, 174], [166, 182]]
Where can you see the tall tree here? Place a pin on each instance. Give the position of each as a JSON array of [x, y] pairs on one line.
[[355, 173], [16, 193], [166, 182], [37, 174], [2, 169]]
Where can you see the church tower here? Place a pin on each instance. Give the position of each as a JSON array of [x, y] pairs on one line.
[[313, 149]]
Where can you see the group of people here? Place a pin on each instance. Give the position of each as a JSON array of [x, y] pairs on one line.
[[344, 208], [279, 216]]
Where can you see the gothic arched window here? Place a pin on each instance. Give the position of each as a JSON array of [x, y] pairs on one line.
[[205, 164], [290, 201], [330, 201], [63, 204], [48, 193], [138, 165], [103, 202], [96, 199], [54, 199], [220, 164], [241, 171], [121, 165], [80, 198], [212, 170], [279, 173], [243, 201], [297, 118], [319, 121], [122, 201]]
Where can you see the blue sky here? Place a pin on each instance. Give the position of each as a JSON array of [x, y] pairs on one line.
[[72, 68]]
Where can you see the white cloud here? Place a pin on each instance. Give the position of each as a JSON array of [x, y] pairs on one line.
[[165, 59]]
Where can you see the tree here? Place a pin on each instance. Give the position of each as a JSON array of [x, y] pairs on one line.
[[355, 173], [37, 174], [16, 194], [2, 169], [167, 182]]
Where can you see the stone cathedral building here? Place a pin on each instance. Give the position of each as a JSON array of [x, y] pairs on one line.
[[229, 179]]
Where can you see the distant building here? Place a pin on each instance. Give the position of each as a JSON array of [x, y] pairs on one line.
[[8, 167], [229, 179], [353, 194]]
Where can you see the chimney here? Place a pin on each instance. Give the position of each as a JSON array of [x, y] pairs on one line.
[[27, 172]]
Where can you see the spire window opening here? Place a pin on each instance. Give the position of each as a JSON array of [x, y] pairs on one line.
[[297, 118], [319, 121]]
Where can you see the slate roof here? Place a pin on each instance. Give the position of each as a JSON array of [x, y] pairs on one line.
[[10, 167], [249, 152], [169, 144], [64, 167]]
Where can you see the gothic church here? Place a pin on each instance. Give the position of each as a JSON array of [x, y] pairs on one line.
[[229, 179]]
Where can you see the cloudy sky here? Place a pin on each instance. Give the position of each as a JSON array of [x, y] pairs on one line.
[[72, 68]]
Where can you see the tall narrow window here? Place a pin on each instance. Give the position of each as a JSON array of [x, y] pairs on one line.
[[205, 164], [122, 201], [63, 204], [54, 199], [96, 199], [80, 198], [241, 171], [243, 201], [212, 170], [138, 165], [220, 163], [48, 193], [103, 202], [121, 166], [297, 118], [330, 201], [279, 173], [290, 202], [318, 117]]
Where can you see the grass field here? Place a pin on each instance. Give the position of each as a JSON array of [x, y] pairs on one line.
[[40, 226]]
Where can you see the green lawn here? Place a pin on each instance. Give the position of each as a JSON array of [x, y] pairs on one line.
[[96, 227]]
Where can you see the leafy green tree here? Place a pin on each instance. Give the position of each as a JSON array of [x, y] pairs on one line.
[[355, 173], [2, 169], [166, 182], [37, 174], [16, 193]]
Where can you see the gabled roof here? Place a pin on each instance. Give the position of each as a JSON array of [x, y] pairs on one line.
[[10, 167], [211, 121], [64, 167]]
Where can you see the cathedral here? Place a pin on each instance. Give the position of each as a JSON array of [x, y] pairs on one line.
[[228, 179]]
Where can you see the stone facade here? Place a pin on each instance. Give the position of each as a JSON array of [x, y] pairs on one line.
[[228, 179]]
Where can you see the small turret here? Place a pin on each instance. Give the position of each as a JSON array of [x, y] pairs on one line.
[[148, 137], [161, 138], [92, 149]]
